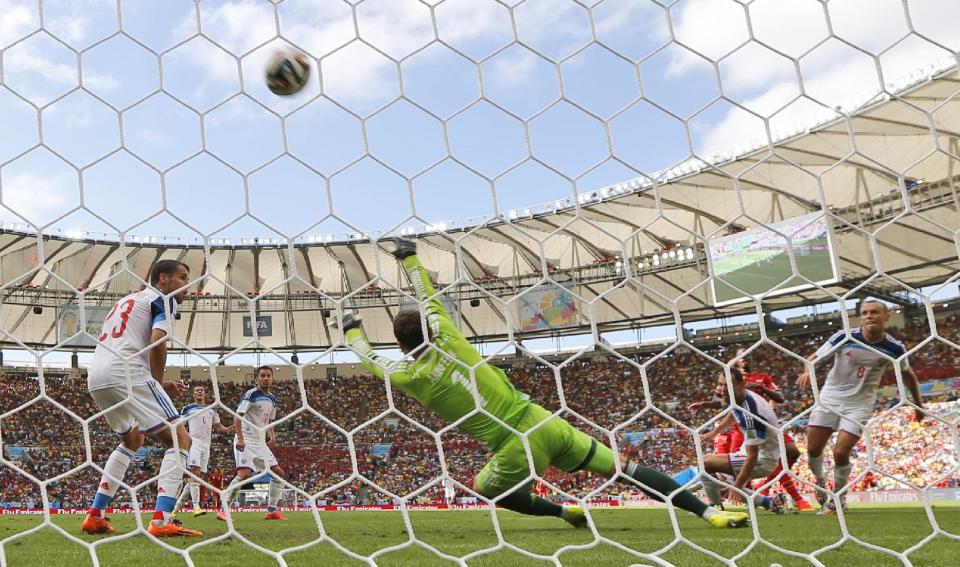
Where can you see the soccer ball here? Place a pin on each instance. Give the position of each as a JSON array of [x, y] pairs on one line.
[[287, 72]]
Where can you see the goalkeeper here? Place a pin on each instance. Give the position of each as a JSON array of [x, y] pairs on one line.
[[444, 383]]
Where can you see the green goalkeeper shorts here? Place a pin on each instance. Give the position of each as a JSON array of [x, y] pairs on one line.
[[555, 443]]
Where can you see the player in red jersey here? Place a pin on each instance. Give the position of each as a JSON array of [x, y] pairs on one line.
[[762, 383], [721, 443]]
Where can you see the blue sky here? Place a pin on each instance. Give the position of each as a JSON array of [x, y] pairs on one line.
[[586, 112], [498, 110]]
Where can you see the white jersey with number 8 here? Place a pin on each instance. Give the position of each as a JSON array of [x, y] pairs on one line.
[[125, 334], [858, 366]]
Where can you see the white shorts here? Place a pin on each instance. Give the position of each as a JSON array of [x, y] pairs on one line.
[[255, 456], [764, 466], [146, 406], [199, 456], [846, 416]]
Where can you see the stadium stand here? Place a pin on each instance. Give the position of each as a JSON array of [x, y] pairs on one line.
[[399, 456]]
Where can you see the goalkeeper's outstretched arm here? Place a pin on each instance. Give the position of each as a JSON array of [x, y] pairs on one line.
[[406, 252], [378, 364]]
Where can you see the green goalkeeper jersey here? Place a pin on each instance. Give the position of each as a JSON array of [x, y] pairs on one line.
[[445, 383]]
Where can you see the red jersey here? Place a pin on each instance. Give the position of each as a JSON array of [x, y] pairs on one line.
[[761, 378]]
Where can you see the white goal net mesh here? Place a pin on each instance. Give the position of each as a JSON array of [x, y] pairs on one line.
[[721, 185]]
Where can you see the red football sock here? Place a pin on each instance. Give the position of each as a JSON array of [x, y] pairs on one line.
[[773, 474], [786, 482], [790, 486]]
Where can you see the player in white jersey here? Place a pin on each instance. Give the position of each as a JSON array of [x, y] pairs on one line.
[[254, 443], [449, 492], [201, 421], [125, 380], [849, 392], [760, 452]]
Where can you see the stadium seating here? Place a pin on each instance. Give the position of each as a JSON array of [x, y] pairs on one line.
[[606, 391]]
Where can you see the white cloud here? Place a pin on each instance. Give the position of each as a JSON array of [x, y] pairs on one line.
[[30, 60], [712, 28], [239, 25], [513, 71], [317, 25], [555, 27], [100, 81], [465, 20], [17, 18], [615, 15], [71, 28], [39, 198], [80, 23], [398, 27]]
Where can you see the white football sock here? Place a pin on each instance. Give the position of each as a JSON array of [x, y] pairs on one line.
[[712, 488], [276, 492], [195, 494], [841, 474], [182, 496], [113, 472], [172, 468], [816, 467], [227, 497]]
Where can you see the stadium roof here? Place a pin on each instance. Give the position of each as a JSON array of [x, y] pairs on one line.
[[886, 169]]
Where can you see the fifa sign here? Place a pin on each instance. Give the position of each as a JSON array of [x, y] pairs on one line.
[[264, 326]]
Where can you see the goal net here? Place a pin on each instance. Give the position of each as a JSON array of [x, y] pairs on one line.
[[621, 204]]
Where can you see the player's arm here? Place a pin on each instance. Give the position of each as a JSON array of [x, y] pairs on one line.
[[238, 431], [271, 432], [723, 425], [804, 380], [715, 403], [238, 421], [771, 394], [357, 338], [437, 316], [913, 383], [157, 356], [218, 425]]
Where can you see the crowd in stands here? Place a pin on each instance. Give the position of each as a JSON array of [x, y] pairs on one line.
[[394, 450]]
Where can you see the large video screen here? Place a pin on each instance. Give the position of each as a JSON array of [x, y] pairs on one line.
[[755, 261]]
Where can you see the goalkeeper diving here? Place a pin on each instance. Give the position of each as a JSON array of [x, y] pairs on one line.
[[453, 382]]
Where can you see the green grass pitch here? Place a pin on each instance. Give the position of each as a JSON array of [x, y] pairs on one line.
[[461, 532]]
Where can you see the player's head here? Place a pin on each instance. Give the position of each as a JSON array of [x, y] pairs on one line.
[[264, 377], [739, 386], [171, 275], [408, 329], [200, 395], [873, 316], [741, 364]]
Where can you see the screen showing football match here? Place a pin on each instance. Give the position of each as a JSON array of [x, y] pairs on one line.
[[756, 261]]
